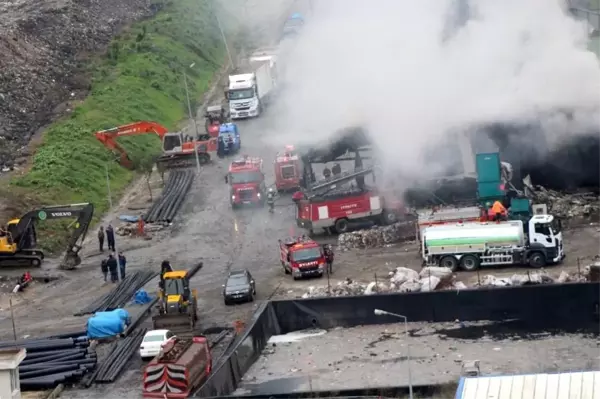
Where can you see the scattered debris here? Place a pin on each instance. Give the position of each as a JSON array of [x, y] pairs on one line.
[[377, 236], [403, 279], [131, 229], [568, 205]]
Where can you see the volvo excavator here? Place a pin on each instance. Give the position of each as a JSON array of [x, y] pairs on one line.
[[178, 149], [18, 240], [178, 304]]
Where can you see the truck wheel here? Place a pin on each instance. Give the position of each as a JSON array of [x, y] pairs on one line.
[[341, 226], [469, 263], [227, 303], [285, 269], [537, 260], [388, 217], [450, 262]]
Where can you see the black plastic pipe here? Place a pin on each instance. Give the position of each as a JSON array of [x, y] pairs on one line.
[[43, 372]]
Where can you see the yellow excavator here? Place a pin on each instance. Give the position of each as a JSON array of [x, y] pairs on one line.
[[18, 240], [178, 304]]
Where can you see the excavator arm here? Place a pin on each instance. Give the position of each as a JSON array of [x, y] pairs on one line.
[[83, 214], [108, 137]]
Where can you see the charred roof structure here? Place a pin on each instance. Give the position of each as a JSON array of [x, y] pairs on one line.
[[345, 145]]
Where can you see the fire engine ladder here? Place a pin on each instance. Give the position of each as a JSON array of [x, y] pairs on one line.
[[323, 186]]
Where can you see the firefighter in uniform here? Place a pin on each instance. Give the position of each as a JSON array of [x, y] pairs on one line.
[[271, 200], [328, 252]]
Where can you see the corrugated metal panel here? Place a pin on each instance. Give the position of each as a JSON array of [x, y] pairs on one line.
[[579, 385]]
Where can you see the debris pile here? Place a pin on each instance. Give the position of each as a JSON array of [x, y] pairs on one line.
[[568, 205], [441, 278], [377, 236], [131, 229], [401, 280]]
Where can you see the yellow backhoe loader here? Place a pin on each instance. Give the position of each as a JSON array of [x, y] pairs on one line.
[[178, 304]]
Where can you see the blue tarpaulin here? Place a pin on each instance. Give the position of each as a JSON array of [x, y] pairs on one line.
[[141, 297], [129, 218], [107, 324], [296, 15]]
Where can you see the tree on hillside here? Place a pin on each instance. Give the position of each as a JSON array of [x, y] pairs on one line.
[[146, 166]]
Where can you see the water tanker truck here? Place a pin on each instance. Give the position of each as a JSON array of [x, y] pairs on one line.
[[467, 246]]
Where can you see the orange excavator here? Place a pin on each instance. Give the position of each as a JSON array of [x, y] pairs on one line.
[[178, 148]]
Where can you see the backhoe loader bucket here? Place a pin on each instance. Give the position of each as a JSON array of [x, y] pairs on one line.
[[182, 321]]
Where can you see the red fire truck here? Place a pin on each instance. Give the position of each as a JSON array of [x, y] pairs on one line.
[[247, 182], [288, 170], [183, 366], [301, 257], [329, 206]]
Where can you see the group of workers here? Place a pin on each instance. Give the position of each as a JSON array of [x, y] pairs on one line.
[[111, 265]]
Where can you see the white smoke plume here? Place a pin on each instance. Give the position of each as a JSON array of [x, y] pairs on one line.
[[412, 71]]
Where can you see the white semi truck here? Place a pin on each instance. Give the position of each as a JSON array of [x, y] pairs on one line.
[[471, 245], [249, 92]]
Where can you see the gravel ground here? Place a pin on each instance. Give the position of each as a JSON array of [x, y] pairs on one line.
[[376, 356]]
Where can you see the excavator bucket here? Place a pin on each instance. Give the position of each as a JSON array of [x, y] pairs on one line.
[[70, 261]]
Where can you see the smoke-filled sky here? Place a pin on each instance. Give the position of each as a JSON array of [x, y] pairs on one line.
[[413, 70]]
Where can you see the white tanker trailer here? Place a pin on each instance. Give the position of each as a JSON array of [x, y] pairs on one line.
[[471, 245]]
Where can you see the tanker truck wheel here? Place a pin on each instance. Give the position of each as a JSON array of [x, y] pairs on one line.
[[469, 263], [450, 262], [537, 260]]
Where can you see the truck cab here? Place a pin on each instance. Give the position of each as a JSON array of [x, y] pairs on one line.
[[301, 257], [247, 93], [545, 240], [288, 170], [243, 96], [229, 141], [247, 182]]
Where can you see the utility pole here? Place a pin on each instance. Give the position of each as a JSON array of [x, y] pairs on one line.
[[222, 33], [110, 204], [192, 119]]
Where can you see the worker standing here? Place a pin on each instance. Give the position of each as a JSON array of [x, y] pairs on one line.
[[499, 212], [122, 263], [101, 238], [328, 252], [110, 237], [112, 268], [271, 200], [165, 267], [104, 268]]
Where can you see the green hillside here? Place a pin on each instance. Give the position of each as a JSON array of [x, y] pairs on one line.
[[139, 78]]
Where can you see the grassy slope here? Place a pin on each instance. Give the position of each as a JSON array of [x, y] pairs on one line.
[[139, 78]]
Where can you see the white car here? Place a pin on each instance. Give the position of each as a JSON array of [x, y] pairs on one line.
[[153, 342]]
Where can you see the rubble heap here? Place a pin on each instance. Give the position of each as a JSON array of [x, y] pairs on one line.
[[377, 236], [568, 205], [441, 278], [131, 229], [42, 42]]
